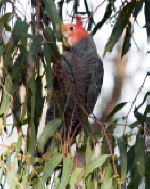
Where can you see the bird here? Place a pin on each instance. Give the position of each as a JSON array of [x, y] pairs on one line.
[[81, 78]]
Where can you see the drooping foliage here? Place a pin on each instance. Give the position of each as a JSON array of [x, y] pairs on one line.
[[28, 60]]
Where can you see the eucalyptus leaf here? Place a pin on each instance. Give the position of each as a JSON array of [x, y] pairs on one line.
[[6, 17], [123, 159], [140, 154], [39, 102], [117, 108], [51, 164], [6, 96], [31, 133], [107, 176], [2, 49], [66, 172], [49, 131], [120, 25], [50, 8], [74, 176], [97, 162], [89, 151], [127, 40], [107, 15]]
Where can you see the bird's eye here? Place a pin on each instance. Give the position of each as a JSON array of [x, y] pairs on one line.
[[71, 28]]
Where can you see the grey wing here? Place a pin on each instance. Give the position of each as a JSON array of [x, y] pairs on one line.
[[69, 77], [95, 85]]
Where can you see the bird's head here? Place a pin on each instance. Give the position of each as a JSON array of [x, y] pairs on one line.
[[73, 33]]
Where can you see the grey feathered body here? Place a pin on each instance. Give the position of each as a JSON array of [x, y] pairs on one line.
[[82, 79]]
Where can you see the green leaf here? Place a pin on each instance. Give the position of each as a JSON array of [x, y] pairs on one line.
[[107, 175], [66, 172], [19, 142], [24, 110], [51, 164], [90, 182], [89, 151], [8, 57], [20, 29], [135, 179], [97, 162], [25, 182], [117, 108], [5, 18], [147, 16], [7, 27], [36, 171], [31, 134], [127, 40], [74, 177], [131, 157], [34, 160], [119, 26], [50, 38], [39, 102], [49, 76], [107, 14], [56, 182], [123, 159], [2, 49], [138, 8], [98, 134], [1, 27], [114, 183], [147, 178], [50, 9], [140, 154], [5, 101], [49, 131], [107, 184], [35, 45], [16, 108]]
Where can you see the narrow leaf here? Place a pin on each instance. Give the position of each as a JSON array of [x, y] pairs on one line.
[[24, 109], [123, 159], [107, 175], [49, 131], [6, 98], [2, 49], [39, 102], [20, 29], [138, 8], [140, 154], [119, 26], [66, 172], [51, 164], [117, 108], [89, 151], [31, 135], [50, 8], [35, 45], [6, 17], [107, 14], [74, 177], [127, 40], [97, 162]]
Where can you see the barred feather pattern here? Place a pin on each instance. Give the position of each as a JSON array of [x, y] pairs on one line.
[[82, 79]]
